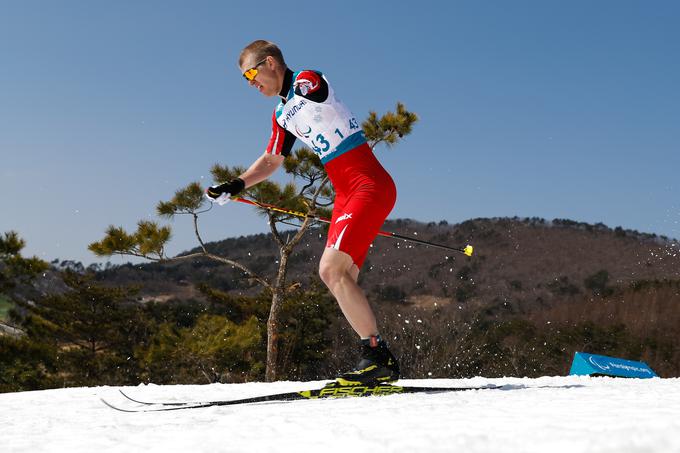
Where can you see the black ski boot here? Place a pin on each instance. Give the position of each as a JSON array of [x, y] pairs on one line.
[[377, 365]]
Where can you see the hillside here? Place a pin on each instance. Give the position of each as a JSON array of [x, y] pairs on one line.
[[518, 263], [534, 292]]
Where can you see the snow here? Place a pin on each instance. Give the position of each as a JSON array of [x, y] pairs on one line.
[[550, 414]]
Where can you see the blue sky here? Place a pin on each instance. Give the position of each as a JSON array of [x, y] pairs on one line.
[[530, 108]]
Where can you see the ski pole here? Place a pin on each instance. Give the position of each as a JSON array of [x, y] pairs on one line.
[[467, 250]]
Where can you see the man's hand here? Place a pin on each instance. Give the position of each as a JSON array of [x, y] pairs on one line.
[[220, 193]]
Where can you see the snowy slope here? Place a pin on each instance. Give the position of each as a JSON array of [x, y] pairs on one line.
[[553, 414]]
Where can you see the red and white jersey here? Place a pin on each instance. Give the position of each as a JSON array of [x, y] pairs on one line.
[[312, 113]]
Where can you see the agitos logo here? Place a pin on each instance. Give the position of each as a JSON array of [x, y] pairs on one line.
[[304, 134], [599, 365]]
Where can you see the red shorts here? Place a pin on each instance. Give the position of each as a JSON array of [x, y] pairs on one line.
[[364, 196]]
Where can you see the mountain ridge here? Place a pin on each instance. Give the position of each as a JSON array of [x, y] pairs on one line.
[[538, 259]]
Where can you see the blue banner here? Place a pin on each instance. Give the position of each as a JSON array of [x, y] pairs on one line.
[[585, 364]]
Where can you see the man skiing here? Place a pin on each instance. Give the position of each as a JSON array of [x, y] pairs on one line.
[[365, 193]]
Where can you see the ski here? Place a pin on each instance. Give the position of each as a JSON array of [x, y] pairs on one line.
[[156, 403], [330, 391]]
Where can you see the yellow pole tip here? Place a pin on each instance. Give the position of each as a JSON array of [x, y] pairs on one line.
[[468, 250]]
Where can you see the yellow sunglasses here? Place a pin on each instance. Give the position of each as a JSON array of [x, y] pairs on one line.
[[252, 72]]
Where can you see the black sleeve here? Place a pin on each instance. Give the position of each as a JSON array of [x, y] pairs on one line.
[[288, 141]]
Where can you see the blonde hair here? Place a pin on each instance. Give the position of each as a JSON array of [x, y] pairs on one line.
[[262, 49]]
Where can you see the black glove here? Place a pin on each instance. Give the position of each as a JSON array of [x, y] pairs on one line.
[[232, 187]]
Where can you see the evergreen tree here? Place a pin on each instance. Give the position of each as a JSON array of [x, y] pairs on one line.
[[219, 349], [310, 193], [14, 268], [91, 329], [23, 364]]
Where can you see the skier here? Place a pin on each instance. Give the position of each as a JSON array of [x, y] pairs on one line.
[[365, 193]]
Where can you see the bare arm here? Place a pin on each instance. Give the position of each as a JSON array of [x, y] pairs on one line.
[[262, 169]]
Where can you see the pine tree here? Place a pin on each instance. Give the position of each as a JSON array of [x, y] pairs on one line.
[[92, 329], [23, 364], [310, 193], [217, 348], [14, 268]]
